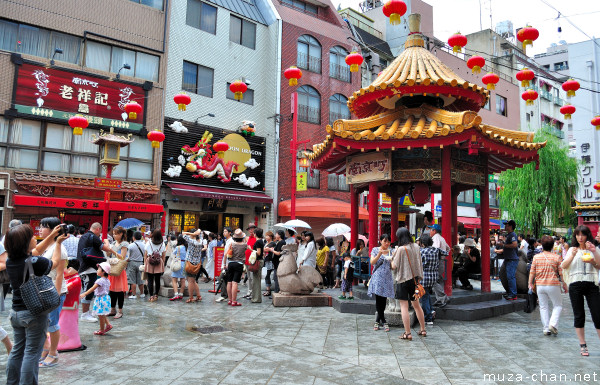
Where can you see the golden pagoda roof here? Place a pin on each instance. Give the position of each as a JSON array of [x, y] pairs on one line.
[[588, 206]]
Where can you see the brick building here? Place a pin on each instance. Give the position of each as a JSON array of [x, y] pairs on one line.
[[317, 40]]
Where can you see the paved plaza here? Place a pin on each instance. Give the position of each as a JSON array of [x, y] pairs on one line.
[[212, 343]]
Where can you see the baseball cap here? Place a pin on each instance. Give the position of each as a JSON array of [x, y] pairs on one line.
[[436, 227]]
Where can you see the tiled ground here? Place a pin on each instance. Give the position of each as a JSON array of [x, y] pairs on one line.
[[153, 344]]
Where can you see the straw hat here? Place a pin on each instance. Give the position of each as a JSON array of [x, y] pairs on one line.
[[239, 234]]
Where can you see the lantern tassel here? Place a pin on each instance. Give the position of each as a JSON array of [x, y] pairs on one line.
[[525, 83], [457, 48], [570, 93], [181, 107], [491, 86], [293, 82], [395, 19], [133, 115], [567, 116], [77, 131], [354, 68], [476, 70], [529, 102], [155, 144], [238, 96]]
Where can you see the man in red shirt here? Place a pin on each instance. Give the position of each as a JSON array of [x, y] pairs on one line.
[[251, 238]]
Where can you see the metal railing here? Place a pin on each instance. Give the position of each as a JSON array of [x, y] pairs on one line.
[[340, 72], [558, 101], [309, 114], [362, 25], [546, 95], [333, 116], [307, 62], [553, 131]]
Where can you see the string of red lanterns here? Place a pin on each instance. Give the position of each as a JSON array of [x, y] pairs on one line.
[[354, 60], [527, 36], [182, 100], [475, 63], [525, 76], [457, 42], [394, 9], [156, 137], [529, 96], [567, 110], [570, 86], [490, 80]]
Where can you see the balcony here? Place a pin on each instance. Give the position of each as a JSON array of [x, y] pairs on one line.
[[309, 63], [553, 131], [546, 95], [309, 114], [558, 101], [340, 72]]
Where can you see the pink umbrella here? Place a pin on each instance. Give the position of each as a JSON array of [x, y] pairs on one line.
[[360, 236]]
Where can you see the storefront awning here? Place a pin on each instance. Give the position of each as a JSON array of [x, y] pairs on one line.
[[86, 204], [475, 223], [320, 208], [218, 193]]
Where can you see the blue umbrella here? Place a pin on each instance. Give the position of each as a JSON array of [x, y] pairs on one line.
[[129, 223]]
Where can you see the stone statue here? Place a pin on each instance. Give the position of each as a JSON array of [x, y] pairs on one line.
[[522, 274], [293, 280]]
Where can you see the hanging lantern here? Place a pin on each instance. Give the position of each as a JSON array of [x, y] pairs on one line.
[[156, 137], [567, 110], [182, 101], [597, 187], [354, 60], [527, 36], [490, 80], [238, 88], [220, 148], [78, 123], [304, 163], [596, 122], [133, 109], [529, 96], [525, 76], [293, 74], [570, 86], [419, 193], [394, 9], [475, 63], [457, 42]]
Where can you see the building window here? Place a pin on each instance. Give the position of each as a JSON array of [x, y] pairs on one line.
[[501, 105], [248, 95], [338, 108], [242, 32], [563, 65], [309, 54], [202, 16], [158, 4], [383, 64], [338, 69], [527, 117], [301, 5], [198, 79], [309, 105], [487, 104], [492, 187], [337, 182], [104, 57], [314, 179], [466, 196]]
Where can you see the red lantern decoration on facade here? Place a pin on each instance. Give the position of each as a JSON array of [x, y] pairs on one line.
[[419, 193], [354, 60], [133, 109], [597, 187], [182, 101], [570, 86], [78, 123], [525, 76], [567, 110], [527, 36], [475, 63], [220, 148], [238, 88], [596, 122], [457, 42], [490, 80], [394, 9], [156, 137], [529, 96], [293, 74]]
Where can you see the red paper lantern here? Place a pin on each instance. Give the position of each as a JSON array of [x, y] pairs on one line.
[[220, 148], [156, 137], [567, 110], [182, 101], [293, 74], [596, 122], [419, 193], [529, 96], [238, 88], [133, 109], [354, 60], [394, 9], [475, 63], [457, 41], [525, 76], [570, 86], [597, 187], [527, 36], [78, 123], [490, 80]]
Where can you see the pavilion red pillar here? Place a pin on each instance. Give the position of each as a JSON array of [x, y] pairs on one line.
[[454, 217], [447, 211], [485, 233], [394, 215], [373, 202], [353, 216]]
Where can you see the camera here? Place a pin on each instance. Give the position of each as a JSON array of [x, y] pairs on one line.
[[66, 229]]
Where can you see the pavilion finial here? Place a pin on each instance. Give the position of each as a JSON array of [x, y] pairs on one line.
[[414, 22], [415, 38]]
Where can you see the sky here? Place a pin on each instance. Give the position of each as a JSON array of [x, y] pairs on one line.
[[450, 16]]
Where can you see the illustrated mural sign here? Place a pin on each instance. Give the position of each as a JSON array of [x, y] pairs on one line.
[[58, 94], [369, 167]]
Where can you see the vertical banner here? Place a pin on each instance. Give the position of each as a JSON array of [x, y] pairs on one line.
[[219, 252], [301, 181]]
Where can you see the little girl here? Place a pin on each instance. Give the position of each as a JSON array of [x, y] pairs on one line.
[[101, 306], [348, 276]]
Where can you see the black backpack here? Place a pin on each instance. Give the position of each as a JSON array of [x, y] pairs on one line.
[[155, 257]]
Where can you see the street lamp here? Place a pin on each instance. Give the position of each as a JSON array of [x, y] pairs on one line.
[[56, 50], [210, 114], [126, 66]]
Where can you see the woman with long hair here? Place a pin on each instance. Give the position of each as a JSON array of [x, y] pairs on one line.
[[270, 244], [180, 250], [118, 285], [310, 252], [580, 271], [322, 256], [406, 262], [155, 263], [381, 284]]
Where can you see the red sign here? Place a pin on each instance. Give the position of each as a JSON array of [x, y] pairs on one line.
[[28, 200], [36, 226], [218, 256], [107, 183], [494, 213], [53, 93]]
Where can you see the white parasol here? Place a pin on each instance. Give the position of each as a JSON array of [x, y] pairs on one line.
[[297, 223], [336, 229]]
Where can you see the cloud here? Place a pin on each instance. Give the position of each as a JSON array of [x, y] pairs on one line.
[[173, 171], [181, 160], [249, 182], [252, 163], [178, 127]]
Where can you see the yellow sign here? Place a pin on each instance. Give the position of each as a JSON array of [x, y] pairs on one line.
[[406, 201], [239, 151], [301, 181]]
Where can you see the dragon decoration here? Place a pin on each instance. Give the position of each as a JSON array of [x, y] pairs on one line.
[[203, 163]]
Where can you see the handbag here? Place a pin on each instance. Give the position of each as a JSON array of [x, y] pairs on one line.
[[117, 266], [419, 289], [175, 264], [253, 265], [191, 268], [38, 293]]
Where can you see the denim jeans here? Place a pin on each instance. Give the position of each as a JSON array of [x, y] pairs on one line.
[[426, 304], [275, 282], [511, 275], [29, 336]]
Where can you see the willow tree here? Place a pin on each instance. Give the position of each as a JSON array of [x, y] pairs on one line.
[[534, 198]]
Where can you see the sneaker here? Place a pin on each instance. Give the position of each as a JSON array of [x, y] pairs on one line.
[[89, 318], [376, 326], [553, 330], [132, 297], [429, 322], [142, 295], [547, 332], [342, 297], [511, 298], [175, 297], [350, 298], [386, 327], [221, 299], [432, 315]]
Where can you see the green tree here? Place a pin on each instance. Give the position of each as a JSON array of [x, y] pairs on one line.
[[534, 198]]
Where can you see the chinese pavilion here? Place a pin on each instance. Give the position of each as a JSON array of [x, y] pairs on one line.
[[418, 132]]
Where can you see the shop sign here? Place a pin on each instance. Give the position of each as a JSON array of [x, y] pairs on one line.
[[301, 179], [214, 205], [219, 253], [585, 152], [37, 227], [494, 213], [59, 94], [374, 166], [26, 200], [477, 196], [107, 183]]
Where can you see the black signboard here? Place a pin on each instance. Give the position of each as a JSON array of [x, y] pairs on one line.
[[237, 162], [214, 205]]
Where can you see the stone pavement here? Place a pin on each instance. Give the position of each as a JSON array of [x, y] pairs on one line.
[[163, 343]]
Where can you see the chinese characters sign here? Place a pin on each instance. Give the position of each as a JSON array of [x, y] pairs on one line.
[[301, 181], [107, 183], [368, 167], [586, 191], [52, 93]]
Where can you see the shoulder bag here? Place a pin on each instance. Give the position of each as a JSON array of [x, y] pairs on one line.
[[39, 293], [175, 264], [253, 265], [117, 265], [419, 289]]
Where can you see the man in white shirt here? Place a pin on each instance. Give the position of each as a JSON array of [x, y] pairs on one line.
[[439, 242], [523, 245], [291, 237], [228, 242]]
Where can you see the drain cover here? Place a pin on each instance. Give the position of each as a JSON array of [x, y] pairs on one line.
[[208, 329]]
